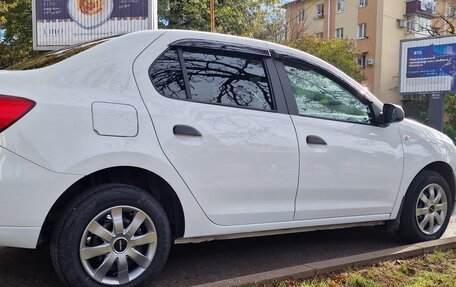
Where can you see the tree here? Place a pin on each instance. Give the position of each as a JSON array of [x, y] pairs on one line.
[[441, 24], [450, 116], [16, 32], [341, 53], [248, 18]]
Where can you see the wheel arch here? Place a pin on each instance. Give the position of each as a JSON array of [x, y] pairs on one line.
[[141, 178], [445, 170], [442, 168]]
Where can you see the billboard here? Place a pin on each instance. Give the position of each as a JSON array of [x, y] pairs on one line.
[[60, 23], [428, 65]]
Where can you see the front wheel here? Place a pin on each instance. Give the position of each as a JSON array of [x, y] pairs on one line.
[[427, 208], [115, 235]]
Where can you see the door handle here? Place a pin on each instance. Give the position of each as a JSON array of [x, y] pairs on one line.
[[184, 130], [315, 140]]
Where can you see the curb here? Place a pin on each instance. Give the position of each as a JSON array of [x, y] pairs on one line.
[[327, 266]]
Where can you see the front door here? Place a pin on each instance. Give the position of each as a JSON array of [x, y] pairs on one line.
[[348, 165]]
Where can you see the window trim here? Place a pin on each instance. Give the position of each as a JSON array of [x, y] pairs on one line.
[[218, 46], [277, 96], [283, 59]]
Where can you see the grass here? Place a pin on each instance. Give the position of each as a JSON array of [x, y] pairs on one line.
[[436, 269]]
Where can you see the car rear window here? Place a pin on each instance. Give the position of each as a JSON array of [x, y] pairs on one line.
[[54, 57]]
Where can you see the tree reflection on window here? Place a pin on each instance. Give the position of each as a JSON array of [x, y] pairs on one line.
[[228, 80], [166, 74], [319, 96]]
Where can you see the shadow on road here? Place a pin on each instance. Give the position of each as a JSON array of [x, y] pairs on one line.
[[192, 264]]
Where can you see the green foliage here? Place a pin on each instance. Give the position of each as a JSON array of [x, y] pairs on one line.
[[416, 108], [16, 24], [249, 18], [450, 116], [341, 53]]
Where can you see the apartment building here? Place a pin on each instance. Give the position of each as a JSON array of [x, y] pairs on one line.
[[376, 26]]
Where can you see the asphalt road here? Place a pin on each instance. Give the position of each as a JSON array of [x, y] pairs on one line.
[[193, 264]]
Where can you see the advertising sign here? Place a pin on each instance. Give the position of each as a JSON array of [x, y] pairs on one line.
[[428, 65], [60, 23]]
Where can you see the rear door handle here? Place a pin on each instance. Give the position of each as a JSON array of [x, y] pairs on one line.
[[315, 140], [184, 130]]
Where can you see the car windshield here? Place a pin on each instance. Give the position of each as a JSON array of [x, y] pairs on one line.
[[54, 57]]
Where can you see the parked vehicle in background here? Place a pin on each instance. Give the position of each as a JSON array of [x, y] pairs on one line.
[[123, 146]]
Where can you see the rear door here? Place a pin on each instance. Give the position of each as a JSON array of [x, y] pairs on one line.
[[225, 127]]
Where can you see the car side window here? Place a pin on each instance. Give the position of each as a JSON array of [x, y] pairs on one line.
[[318, 96], [229, 80], [213, 77], [167, 77]]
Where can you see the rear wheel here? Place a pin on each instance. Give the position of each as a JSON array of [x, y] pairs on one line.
[[427, 208], [115, 235]]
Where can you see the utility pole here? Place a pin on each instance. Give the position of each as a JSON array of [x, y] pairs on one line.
[[212, 16]]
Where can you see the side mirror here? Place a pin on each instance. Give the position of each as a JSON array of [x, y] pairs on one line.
[[392, 113]]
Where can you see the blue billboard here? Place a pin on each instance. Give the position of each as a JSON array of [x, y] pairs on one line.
[[428, 65], [431, 61]]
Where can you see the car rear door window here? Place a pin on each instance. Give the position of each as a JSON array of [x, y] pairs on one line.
[[228, 80], [215, 77]]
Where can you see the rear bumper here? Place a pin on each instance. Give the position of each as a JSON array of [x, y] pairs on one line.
[[27, 193]]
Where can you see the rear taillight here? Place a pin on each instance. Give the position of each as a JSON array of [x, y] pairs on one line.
[[12, 109]]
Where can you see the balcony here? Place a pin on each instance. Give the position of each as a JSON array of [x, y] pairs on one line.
[[422, 7]]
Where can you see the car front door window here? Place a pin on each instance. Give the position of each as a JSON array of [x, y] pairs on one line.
[[318, 96]]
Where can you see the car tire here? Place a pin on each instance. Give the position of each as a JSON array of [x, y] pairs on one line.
[[425, 216], [113, 225]]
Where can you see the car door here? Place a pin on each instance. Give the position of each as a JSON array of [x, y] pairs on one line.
[[224, 128], [349, 166]]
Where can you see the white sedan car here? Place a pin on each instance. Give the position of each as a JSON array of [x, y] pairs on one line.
[[115, 149]]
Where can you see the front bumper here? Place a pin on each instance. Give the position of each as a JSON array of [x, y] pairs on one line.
[[27, 193]]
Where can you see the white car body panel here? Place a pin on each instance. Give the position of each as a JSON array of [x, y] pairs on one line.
[[422, 146], [363, 162], [55, 144]]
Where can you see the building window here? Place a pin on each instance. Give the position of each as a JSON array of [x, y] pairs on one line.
[[362, 60], [340, 6], [320, 11], [339, 32], [362, 31], [409, 27], [419, 25], [301, 15], [362, 3], [319, 35]]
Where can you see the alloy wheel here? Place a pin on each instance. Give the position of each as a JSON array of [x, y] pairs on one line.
[[118, 245], [431, 209]]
